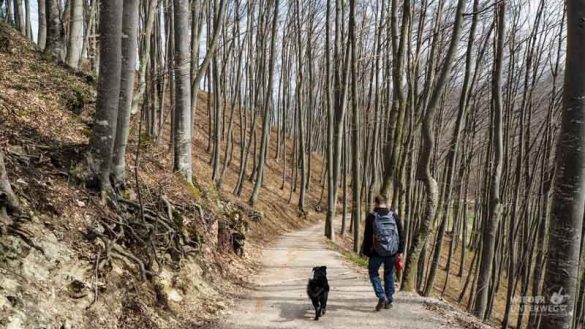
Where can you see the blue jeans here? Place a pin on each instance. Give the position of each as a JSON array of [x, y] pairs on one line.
[[374, 264]]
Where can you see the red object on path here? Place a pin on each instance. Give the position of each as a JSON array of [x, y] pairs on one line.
[[399, 264]]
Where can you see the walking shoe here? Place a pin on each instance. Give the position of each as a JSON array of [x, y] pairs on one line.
[[387, 305], [380, 305]]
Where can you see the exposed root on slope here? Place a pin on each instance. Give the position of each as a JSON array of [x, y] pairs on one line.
[[149, 236]]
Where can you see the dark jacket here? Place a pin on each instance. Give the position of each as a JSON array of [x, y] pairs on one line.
[[368, 244]]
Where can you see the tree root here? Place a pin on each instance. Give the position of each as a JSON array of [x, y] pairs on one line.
[[25, 236], [8, 199], [140, 235]]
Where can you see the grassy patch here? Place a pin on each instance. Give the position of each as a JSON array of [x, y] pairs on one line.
[[350, 255]]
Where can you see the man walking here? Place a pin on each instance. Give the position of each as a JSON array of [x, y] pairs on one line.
[[383, 242]]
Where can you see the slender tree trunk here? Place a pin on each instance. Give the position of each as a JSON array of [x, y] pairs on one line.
[[196, 80], [183, 121], [75, 33], [129, 46], [267, 109], [424, 166], [151, 15], [42, 17], [329, 220], [27, 19], [337, 114], [300, 116], [19, 17], [487, 254], [395, 135], [355, 146]]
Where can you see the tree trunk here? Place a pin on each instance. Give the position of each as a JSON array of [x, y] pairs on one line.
[[562, 265], [451, 161], [108, 93], [75, 33], [490, 227], [129, 46], [42, 17], [27, 19], [196, 79], [395, 135], [267, 109], [55, 40], [183, 121], [424, 166], [19, 17], [300, 116], [145, 42], [355, 146], [337, 118]]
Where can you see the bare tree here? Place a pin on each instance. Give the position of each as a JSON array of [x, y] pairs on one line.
[[424, 166], [19, 17], [129, 46], [267, 108], [27, 18], [355, 119], [564, 241], [182, 114], [42, 17], [108, 94], [55, 40], [75, 33], [491, 225]]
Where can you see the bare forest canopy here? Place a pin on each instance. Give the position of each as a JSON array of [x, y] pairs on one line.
[[453, 109]]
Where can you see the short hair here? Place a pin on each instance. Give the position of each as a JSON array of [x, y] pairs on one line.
[[380, 199]]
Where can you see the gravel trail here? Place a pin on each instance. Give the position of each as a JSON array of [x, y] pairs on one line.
[[279, 300]]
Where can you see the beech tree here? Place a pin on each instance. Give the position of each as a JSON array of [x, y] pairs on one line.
[[108, 94], [182, 111], [42, 17], [267, 106], [489, 238], [564, 242], [423, 170], [55, 39], [128, 69], [75, 33]]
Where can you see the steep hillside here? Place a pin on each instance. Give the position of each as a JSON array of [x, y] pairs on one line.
[[71, 259]]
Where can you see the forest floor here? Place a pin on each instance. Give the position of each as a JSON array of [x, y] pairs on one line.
[[278, 299], [46, 113]]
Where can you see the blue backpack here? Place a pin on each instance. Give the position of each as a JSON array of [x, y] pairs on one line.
[[386, 239]]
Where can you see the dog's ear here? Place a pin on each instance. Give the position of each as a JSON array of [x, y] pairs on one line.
[[315, 268], [324, 268]]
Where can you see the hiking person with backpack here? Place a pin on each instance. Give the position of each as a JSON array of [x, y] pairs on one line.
[[383, 243]]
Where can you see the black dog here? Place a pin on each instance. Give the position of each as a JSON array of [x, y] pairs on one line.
[[318, 290]]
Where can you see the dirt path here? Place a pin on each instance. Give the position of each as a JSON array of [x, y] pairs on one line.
[[279, 300]]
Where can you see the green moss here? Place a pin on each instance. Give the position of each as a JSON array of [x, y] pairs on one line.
[[23, 112], [146, 139], [192, 188]]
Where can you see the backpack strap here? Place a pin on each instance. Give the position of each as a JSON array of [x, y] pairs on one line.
[[373, 213], [376, 216]]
